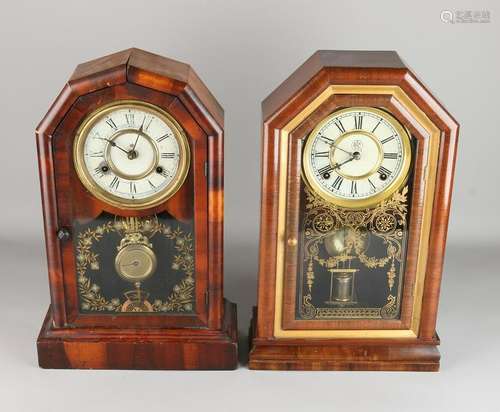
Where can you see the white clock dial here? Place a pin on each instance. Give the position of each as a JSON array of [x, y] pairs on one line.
[[357, 156], [131, 154]]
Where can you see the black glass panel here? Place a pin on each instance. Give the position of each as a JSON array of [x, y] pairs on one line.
[[135, 265], [351, 263]]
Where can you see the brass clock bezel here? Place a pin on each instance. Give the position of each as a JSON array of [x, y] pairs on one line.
[[308, 172], [117, 201]]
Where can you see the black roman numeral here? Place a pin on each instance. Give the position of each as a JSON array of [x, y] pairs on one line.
[[390, 155], [168, 155], [162, 138], [375, 128], [165, 173], [354, 187], [358, 122], [387, 139], [115, 183], [371, 184], [96, 154], [98, 172], [340, 126], [151, 184], [133, 188], [321, 154], [337, 183], [111, 123], [325, 169], [383, 171], [326, 139], [129, 117], [146, 125]]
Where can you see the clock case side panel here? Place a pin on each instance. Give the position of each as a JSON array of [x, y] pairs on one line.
[[449, 129], [49, 207], [201, 117]]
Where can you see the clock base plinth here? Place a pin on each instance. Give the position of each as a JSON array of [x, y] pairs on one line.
[[174, 349], [345, 355]]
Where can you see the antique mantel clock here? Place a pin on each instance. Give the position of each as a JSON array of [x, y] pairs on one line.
[[358, 159], [131, 170]]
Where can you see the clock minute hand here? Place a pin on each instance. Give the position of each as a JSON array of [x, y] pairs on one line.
[[138, 135], [331, 143], [337, 147]]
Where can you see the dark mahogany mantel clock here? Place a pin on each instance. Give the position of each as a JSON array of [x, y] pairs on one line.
[[358, 162], [131, 170]]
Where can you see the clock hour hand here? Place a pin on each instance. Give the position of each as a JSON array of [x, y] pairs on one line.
[[337, 165], [133, 263], [113, 144]]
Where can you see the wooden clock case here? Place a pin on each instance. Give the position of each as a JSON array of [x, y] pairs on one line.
[[206, 339], [327, 81]]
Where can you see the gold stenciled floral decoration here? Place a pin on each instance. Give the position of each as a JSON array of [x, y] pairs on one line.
[[387, 222], [182, 297]]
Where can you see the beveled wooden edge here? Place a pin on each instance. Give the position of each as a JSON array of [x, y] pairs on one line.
[[342, 354], [160, 68], [49, 331], [322, 59], [102, 348], [101, 64], [442, 200], [135, 66], [114, 70], [408, 82]]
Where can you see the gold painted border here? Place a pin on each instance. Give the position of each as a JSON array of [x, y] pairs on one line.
[[100, 193], [430, 183]]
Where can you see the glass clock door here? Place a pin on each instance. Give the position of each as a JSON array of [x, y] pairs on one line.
[[344, 255]]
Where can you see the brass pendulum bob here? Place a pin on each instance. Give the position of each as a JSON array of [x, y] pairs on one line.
[[341, 275]]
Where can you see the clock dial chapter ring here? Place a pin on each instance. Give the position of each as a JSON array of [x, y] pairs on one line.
[[355, 141], [133, 155]]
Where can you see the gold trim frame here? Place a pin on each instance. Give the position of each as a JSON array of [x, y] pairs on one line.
[[101, 194], [429, 184], [377, 197]]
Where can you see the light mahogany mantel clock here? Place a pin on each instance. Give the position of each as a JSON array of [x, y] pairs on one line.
[[131, 170], [358, 162]]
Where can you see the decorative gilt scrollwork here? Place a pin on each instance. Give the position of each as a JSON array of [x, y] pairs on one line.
[[323, 222], [134, 231], [308, 310], [345, 235], [390, 308]]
